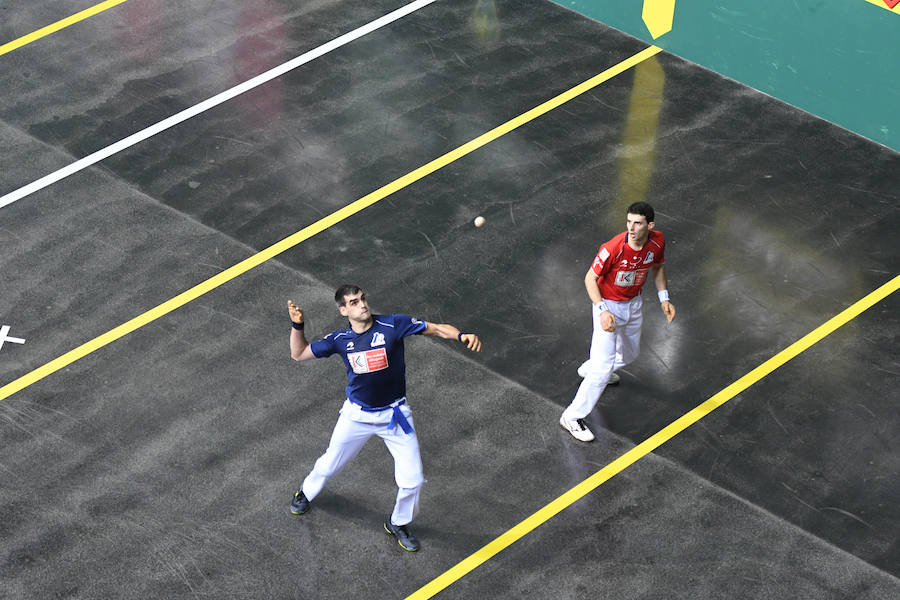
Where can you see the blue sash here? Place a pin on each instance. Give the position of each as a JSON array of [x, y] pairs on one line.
[[398, 418]]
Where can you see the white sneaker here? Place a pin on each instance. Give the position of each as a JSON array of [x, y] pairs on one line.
[[577, 428], [614, 378]]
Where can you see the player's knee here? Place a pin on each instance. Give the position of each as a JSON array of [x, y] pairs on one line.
[[598, 369], [411, 482], [328, 466]]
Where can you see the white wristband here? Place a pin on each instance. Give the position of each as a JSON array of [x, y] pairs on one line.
[[663, 296], [602, 306]]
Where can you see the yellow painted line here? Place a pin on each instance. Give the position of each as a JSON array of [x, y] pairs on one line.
[[45, 31], [883, 5], [317, 227], [646, 447]]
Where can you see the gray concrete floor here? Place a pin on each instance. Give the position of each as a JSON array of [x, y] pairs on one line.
[[162, 464]]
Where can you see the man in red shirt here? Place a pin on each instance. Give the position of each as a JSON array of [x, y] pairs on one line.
[[614, 284]]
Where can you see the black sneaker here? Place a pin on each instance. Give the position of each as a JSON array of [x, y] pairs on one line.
[[406, 540], [299, 504]]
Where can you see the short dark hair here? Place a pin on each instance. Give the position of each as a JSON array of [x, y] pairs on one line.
[[345, 290], [643, 209]]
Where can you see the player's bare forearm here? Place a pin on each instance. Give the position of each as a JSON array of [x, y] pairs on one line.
[[441, 330], [607, 319], [659, 277], [300, 349], [662, 285], [449, 332], [593, 290]]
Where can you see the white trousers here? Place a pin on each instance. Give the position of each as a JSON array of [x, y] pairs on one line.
[[352, 430], [609, 352]]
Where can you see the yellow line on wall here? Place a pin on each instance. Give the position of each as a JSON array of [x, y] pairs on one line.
[[646, 447], [45, 31], [317, 227], [882, 4]]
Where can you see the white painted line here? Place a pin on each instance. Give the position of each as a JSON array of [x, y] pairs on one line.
[[3, 337], [210, 103]]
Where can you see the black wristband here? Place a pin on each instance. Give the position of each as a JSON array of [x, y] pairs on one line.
[[459, 336], [297, 325]]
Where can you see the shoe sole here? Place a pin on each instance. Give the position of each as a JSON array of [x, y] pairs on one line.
[[296, 513], [399, 543]]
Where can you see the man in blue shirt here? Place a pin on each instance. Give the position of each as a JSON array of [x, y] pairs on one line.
[[372, 350]]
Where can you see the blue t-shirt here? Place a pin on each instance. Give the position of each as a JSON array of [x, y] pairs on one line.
[[375, 360]]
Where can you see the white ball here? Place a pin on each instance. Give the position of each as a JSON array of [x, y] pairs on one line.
[[479, 221]]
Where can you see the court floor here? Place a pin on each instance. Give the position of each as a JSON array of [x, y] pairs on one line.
[[162, 197]]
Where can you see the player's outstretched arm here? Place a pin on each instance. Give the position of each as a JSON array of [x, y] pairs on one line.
[[300, 349], [449, 332]]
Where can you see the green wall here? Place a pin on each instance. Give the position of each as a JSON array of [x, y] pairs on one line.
[[837, 59]]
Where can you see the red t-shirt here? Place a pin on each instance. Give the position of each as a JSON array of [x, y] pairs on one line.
[[622, 270]]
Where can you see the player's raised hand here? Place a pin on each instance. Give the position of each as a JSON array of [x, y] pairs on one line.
[[607, 321], [295, 312], [669, 309], [471, 341]]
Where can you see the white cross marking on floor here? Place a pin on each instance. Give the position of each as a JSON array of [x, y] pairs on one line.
[[4, 338]]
